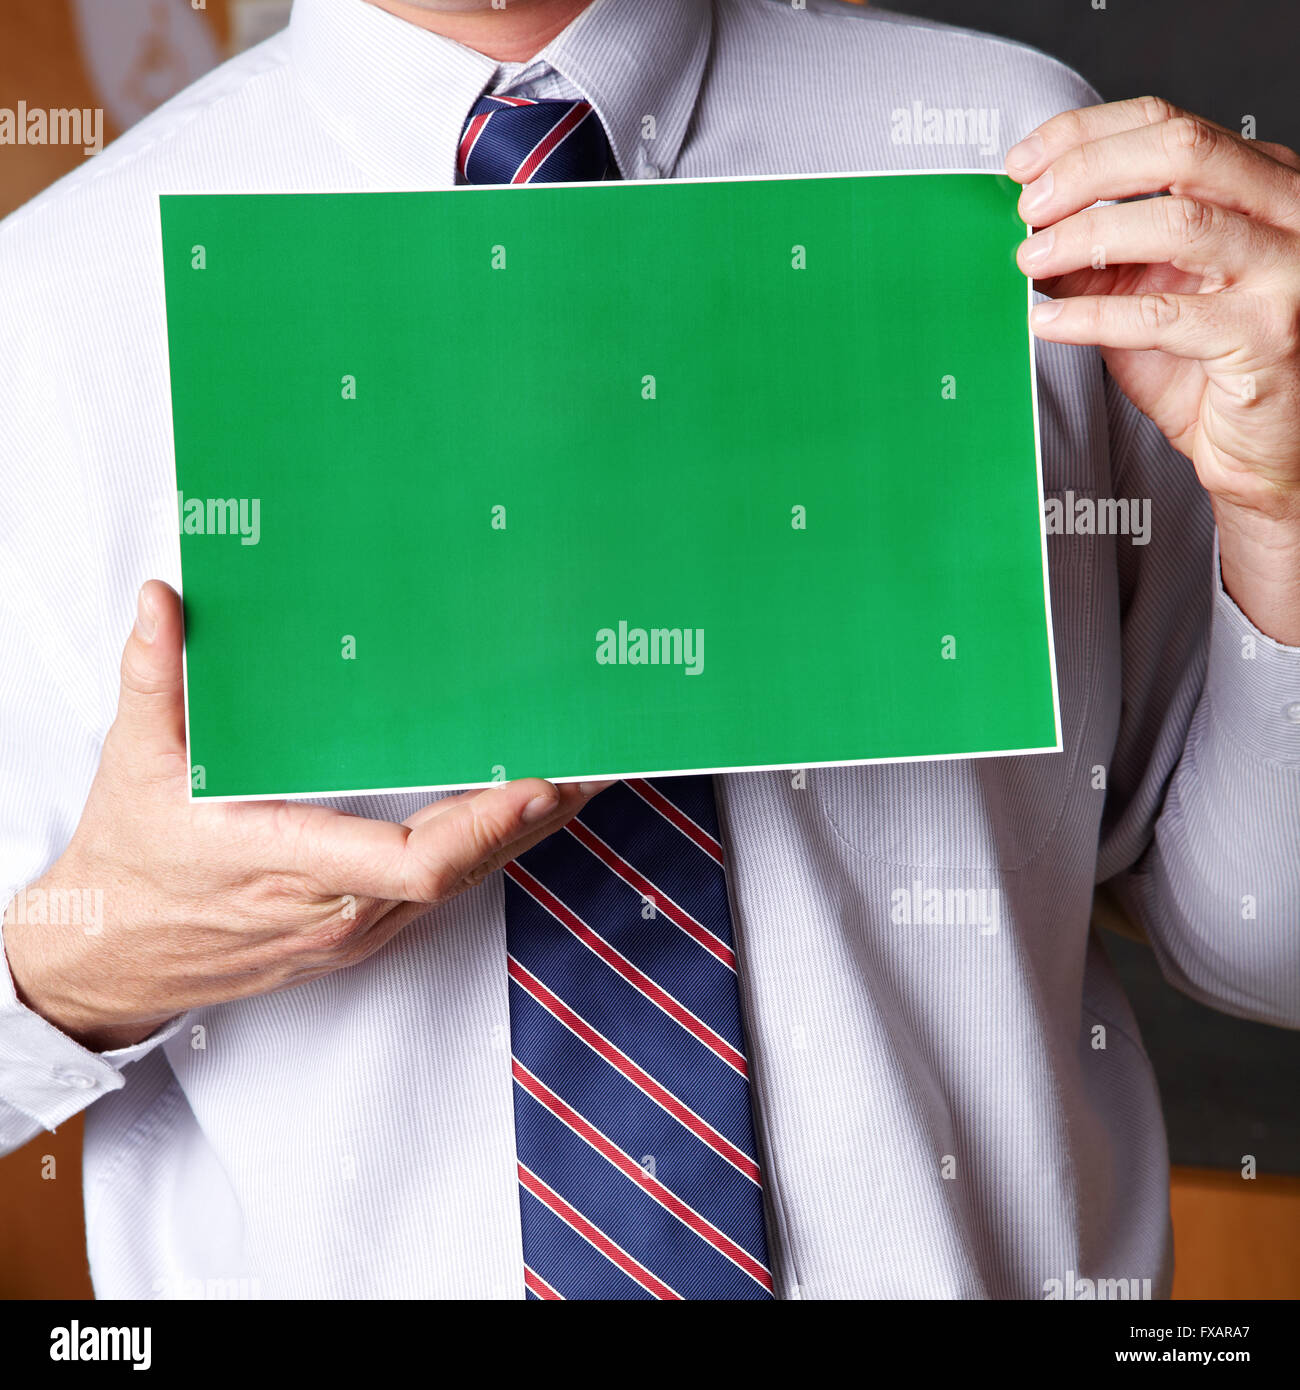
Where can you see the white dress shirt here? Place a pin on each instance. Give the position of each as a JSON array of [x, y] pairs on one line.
[[942, 1111]]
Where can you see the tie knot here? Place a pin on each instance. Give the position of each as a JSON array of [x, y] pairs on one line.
[[517, 140]]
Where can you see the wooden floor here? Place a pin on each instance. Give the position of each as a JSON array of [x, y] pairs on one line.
[[1234, 1239]]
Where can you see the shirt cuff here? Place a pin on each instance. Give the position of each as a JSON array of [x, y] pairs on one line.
[[46, 1074], [1252, 682]]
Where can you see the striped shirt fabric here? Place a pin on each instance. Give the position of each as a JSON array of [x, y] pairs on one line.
[[945, 1107]]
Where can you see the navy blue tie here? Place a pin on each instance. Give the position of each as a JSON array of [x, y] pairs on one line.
[[517, 140], [638, 1174]]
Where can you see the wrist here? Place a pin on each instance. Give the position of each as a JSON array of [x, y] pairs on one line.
[[1259, 559], [50, 935]]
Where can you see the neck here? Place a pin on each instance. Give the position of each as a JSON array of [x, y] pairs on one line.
[[513, 34]]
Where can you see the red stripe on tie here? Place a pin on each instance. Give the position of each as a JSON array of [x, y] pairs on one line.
[[666, 1198], [618, 962], [640, 1078], [470, 139], [677, 816], [697, 931], [539, 1286], [594, 1236], [543, 148]]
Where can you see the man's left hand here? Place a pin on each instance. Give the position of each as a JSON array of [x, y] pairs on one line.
[[1194, 300]]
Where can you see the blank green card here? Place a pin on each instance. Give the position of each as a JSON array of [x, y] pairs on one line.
[[603, 480]]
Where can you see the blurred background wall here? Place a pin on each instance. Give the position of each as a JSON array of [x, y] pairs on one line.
[[124, 56], [1229, 1087]]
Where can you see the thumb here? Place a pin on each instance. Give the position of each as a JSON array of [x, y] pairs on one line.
[[151, 704]]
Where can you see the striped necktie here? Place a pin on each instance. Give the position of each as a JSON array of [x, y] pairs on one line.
[[638, 1174], [515, 140]]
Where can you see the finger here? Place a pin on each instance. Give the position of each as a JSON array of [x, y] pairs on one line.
[[1282, 153], [1196, 326], [427, 861], [1183, 156], [1082, 282], [474, 837], [1070, 129], [1192, 236], [573, 797], [150, 726], [437, 808], [1050, 140]]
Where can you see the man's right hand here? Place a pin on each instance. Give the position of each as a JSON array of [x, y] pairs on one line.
[[206, 902]]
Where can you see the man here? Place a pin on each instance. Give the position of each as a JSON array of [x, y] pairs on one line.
[[326, 1053]]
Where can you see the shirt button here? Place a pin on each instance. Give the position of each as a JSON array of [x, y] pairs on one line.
[[649, 171], [78, 1080], [1292, 712]]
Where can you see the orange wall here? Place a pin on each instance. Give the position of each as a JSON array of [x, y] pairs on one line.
[[41, 63]]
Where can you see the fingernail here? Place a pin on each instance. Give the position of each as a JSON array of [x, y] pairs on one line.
[[540, 807], [591, 788], [1026, 154], [1046, 312], [1037, 247], [146, 620], [1037, 193]]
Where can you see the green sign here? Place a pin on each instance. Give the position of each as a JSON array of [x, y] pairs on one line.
[[604, 479]]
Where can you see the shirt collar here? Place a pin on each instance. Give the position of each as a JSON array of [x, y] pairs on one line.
[[398, 96]]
